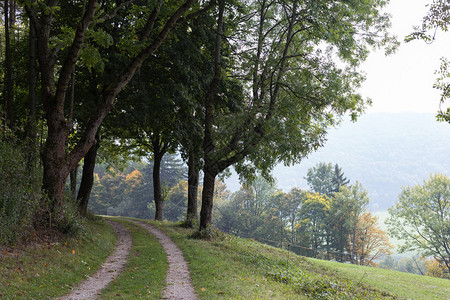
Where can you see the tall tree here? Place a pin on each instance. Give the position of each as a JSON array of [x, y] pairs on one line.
[[312, 222], [8, 67], [31, 126], [320, 178], [57, 161], [421, 218], [291, 90], [371, 243], [347, 207], [339, 179]]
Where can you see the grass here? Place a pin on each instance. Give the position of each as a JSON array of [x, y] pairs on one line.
[[233, 268], [225, 267], [51, 267], [145, 272], [404, 285]]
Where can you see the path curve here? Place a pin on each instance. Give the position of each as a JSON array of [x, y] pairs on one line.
[[178, 279], [91, 287]]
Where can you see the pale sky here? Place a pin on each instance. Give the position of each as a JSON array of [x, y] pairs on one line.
[[403, 81]]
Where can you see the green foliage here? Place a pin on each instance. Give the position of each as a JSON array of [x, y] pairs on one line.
[[414, 264], [421, 218], [436, 18], [326, 179], [20, 190], [71, 222]]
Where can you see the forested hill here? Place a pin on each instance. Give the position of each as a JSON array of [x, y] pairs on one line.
[[383, 151]]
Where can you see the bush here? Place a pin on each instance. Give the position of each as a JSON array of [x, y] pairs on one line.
[[70, 223], [20, 190]]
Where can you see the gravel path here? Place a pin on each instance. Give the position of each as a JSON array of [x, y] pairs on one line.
[[178, 279], [90, 288]]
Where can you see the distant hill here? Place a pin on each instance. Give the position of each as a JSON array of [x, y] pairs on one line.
[[383, 151]]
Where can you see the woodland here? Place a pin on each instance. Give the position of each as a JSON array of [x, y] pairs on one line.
[[138, 108]]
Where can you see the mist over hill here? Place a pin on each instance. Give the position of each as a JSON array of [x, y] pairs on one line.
[[383, 151]]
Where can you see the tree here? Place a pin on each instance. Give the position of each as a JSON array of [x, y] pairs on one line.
[[421, 218], [288, 206], [320, 178], [148, 35], [347, 208], [8, 68], [371, 242], [326, 179], [312, 222], [436, 18], [290, 88], [338, 179], [176, 202]]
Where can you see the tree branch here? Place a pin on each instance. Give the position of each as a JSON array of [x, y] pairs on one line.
[[74, 52]]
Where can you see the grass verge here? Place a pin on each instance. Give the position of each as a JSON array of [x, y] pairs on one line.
[[50, 268], [145, 272], [404, 285], [233, 268]]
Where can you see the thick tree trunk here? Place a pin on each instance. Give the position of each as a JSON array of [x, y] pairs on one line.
[[87, 179], [157, 195], [193, 171], [207, 199], [56, 167]]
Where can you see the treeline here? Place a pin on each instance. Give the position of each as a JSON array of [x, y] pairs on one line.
[[129, 192], [329, 221]]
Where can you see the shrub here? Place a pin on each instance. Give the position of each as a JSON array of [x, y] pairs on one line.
[[20, 189]]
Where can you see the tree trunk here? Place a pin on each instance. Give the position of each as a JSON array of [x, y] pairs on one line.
[[207, 199], [73, 182], [208, 145], [157, 195], [192, 189], [56, 168], [8, 68], [31, 126], [87, 179]]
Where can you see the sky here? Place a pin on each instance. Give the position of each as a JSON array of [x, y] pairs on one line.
[[403, 81]]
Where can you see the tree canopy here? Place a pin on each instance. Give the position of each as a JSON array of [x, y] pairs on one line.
[[437, 18], [421, 218], [228, 83]]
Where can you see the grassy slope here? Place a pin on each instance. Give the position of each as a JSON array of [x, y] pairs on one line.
[[232, 268], [49, 269], [236, 268], [225, 268], [405, 285]]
